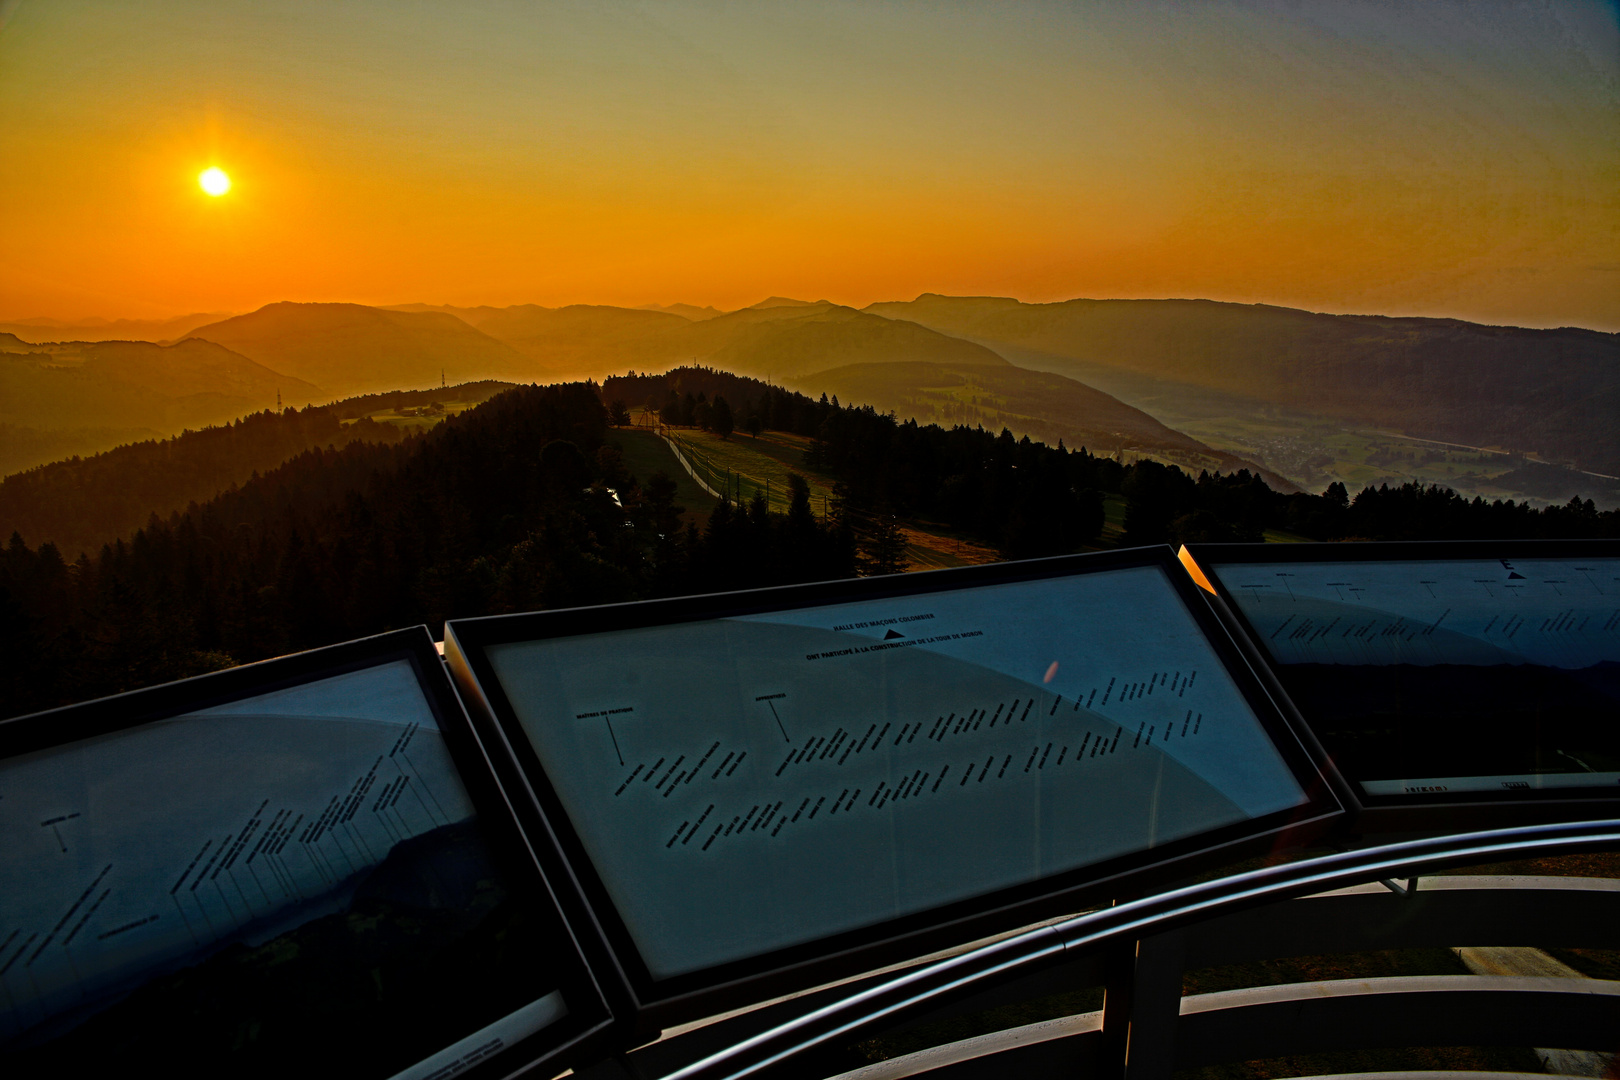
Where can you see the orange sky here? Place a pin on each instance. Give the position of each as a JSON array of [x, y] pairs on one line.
[[1452, 159]]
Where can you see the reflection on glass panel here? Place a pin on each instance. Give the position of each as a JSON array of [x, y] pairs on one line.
[[1448, 676], [288, 881], [746, 784]]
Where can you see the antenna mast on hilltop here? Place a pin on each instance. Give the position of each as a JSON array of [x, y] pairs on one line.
[[278, 401], [441, 378]]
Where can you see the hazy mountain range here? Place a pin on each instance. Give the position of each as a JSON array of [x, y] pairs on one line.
[[1552, 392], [58, 400], [1302, 396], [110, 329], [350, 349]]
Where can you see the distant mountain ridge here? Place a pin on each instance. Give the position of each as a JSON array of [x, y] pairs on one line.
[[813, 346], [353, 349], [1552, 392], [153, 330], [777, 338], [120, 383], [1124, 371], [689, 311], [577, 341], [80, 397], [1045, 406], [786, 341]]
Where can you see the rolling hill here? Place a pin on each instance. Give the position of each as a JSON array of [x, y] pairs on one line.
[[817, 346], [784, 341], [1045, 406], [155, 330], [85, 502], [776, 339], [353, 349], [81, 397], [578, 341], [1553, 393], [690, 311]]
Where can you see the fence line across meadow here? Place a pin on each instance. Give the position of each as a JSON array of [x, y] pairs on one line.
[[741, 487], [733, 484]]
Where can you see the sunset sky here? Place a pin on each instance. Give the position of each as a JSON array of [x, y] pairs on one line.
[[1400, 158]]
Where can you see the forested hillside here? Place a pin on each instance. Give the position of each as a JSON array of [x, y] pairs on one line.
[[506, 507], [524, 503], [80, 504]]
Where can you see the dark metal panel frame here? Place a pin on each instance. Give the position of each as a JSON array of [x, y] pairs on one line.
[[1400, 813], [799, 967], [589, 1020]]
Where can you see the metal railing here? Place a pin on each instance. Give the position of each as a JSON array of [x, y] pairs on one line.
[[1138, 949]]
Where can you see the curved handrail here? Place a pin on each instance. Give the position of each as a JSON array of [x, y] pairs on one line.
[[919, 987]]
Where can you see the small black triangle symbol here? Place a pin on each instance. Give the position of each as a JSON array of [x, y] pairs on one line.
[[891, 635], [1517, 575]]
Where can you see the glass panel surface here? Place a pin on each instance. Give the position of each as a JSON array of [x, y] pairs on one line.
[[746, 784], [292, 883], [1429, 677]]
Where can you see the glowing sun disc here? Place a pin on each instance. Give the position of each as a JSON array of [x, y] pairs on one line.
[[214, 181]]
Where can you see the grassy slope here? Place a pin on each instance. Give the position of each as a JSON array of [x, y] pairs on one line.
[[646, 454], [771, 457]]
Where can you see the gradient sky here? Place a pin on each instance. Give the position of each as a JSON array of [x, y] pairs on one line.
[[1403, 158]]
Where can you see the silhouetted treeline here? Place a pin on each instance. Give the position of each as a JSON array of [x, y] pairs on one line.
[[82, 503], [1018, 496], [1030, 499], [365, 404], [1023, 497], [775, 408], [514, 505], [1165, 505]]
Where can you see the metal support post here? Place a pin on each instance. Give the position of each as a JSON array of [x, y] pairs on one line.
[[1141, 1005]]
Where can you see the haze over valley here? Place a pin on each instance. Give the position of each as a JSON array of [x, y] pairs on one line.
[[1302, 398]]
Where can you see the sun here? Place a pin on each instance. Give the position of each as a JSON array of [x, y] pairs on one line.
[[214, 181]]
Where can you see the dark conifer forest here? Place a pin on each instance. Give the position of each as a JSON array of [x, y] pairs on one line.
[[524, 503], [83, 502]]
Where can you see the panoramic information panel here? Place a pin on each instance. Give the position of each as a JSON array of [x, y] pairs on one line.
[[293, 881], [1439, 677], [746, 784]]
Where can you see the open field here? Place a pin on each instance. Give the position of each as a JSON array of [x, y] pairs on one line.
[[934, 547], [745, 465], [421, 419], [762, 465], [645, 454], [1113, 530]]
